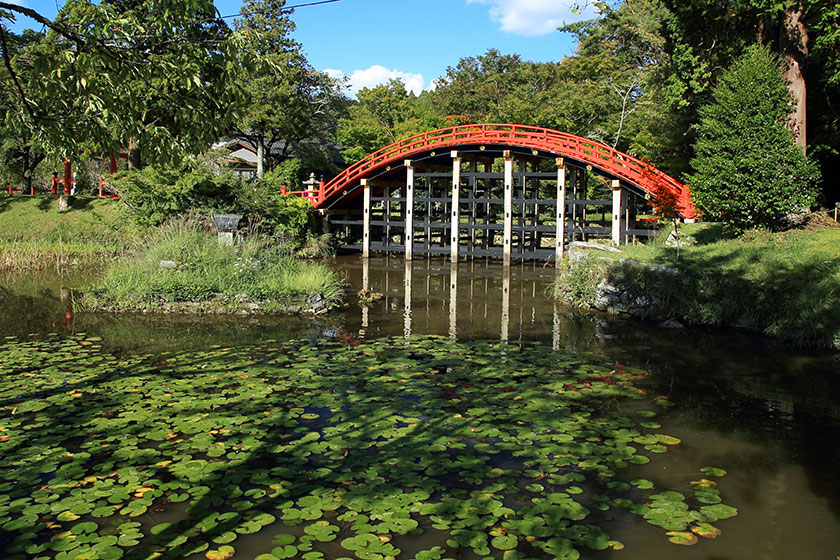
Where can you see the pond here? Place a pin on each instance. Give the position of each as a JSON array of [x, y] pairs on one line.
[[461, 415]]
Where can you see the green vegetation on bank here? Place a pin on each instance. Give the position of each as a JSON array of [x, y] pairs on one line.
[[183, 268], [34, 233], [785, 285]]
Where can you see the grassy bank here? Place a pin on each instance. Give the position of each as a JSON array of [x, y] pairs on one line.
[[35, 234], [182, 268], [785, 285]]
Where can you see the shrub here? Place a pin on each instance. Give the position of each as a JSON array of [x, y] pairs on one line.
[[159, 192], [748, 172]]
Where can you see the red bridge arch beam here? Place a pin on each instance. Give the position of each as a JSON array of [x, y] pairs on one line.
[[622, 166]]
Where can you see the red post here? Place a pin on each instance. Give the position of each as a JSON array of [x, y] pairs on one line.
[[283, 190], [320, 191], [31, 189], [68, 176], [54, 185], [11, 192], [113, 167], [101, 184]]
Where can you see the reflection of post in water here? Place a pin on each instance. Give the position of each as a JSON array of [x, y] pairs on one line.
[[365, 289], [505, 303], [555, 331], [453, 299], [65, 297], [407, 308]]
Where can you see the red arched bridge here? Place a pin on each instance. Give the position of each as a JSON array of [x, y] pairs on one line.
[[491, 190]]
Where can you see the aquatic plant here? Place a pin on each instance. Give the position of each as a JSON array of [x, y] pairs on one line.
[[505, 451]]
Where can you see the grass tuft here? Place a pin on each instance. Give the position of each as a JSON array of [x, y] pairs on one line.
[[183, 268]]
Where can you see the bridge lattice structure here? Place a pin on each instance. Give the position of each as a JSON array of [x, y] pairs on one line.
[[404, 186]]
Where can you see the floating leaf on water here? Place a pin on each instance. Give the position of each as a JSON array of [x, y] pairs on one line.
[[717, 512], [504, 542], [646, 413], [224, 538], [705, 530], [222, 553], [713, 471], [668, 440], [84, 528], [683, 538]]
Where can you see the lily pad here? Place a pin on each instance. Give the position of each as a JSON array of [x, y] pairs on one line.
[[682, 538], [222, 553]]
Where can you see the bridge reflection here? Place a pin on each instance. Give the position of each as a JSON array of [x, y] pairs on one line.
[[471, 299]]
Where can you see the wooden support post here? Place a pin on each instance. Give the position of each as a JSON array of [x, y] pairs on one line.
[[506, 304], [619, 202], [68, 176], [454, 228], [407, 303], [54, 184], [508, 231], [630, 221], [408, 236], [365, 288], [561, 212], [366, 219], [112, 167], [453, 298]]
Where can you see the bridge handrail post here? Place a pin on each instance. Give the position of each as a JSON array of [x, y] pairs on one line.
[[561, 212], [408, 234]]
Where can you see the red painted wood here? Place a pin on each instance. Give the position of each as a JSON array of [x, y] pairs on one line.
[[562, 144]]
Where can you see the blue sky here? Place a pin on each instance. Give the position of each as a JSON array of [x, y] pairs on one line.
[[370, 41]]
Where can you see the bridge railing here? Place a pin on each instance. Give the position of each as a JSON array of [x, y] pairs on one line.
[[608, 159]]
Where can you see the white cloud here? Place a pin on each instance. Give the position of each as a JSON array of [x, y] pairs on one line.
[[375, 75], [536, 17]]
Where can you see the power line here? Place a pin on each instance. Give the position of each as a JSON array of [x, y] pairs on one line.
[[307, 4]]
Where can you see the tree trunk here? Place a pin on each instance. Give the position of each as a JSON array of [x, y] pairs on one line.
[[260, 160], [794, 44], [135, 161]]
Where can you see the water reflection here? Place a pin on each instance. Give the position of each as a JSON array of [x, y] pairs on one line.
[[472, 299]]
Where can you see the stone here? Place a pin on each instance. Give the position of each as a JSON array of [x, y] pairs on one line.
[[675, 239], [225, 238], [316, 303], [671, 324], [169, 265]]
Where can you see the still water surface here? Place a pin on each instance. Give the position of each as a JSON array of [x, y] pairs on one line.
[[766, 413]]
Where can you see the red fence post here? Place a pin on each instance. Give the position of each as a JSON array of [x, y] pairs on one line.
[[320, 192], [68, 176], [54, 184], [11, 192], [283, 189]]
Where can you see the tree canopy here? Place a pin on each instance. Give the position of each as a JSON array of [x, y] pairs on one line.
[[107, 74], [749, 172], [287, 101]]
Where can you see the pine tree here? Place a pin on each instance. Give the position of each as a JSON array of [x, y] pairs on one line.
[[748, 171]]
